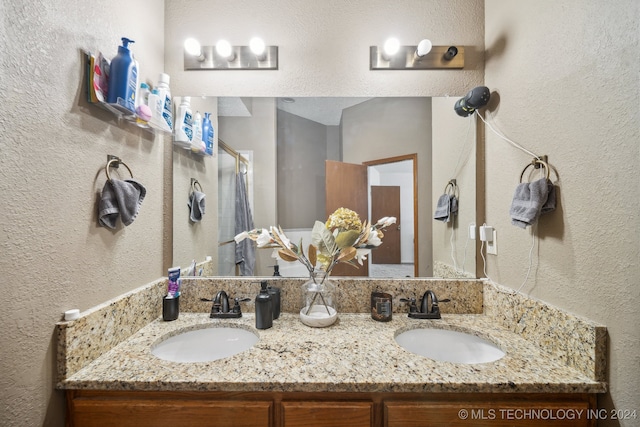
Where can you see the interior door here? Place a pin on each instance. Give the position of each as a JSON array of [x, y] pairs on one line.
[[385, 201], [346, 187]]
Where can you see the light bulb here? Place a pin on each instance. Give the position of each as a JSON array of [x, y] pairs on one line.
[[224, 49], [256, 45], [424, 47], [391, 46], [450, 53], [192, 46]]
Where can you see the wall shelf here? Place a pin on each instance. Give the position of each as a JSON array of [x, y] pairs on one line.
[[118, 111]]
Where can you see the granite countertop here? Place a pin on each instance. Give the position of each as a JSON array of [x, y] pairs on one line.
[[357, 354]]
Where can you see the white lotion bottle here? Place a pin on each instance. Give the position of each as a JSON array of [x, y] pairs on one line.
[[197, 144], [162, 113], [183, 130]]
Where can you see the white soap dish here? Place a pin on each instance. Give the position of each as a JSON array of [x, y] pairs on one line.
[[318, 316]]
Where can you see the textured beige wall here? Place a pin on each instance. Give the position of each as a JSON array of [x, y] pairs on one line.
[[567, 76], [324, 45], [454, 157], [566, 73], [53, 146]]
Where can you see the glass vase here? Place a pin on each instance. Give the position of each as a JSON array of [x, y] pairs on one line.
[[319, 301]]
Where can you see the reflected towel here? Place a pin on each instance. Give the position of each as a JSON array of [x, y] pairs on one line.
[[453, 207], [196, 206], [446, 208], [120, 198], [528, 200], [442, 208]]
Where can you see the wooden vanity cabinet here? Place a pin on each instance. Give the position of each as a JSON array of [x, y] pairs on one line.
[[326, 413], [511, 410], [176, 409], [276, 409]]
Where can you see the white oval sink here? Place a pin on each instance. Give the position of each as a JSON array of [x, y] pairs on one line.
[[444, 345], [205, 345]]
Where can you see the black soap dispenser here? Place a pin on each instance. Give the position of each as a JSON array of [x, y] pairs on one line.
[[275, 301], [264, 307]]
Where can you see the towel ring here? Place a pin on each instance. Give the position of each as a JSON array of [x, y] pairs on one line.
[[454, 187], [117, 162], [195, 182], [534, 162]]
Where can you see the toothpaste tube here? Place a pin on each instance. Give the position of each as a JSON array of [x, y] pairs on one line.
[[173, 289]]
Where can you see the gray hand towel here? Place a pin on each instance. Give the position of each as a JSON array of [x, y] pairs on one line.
[[550, 203], [196, 206], [121, 198], [527, 203], [447, 208], [453, 207], [443, 208], [108, 207]]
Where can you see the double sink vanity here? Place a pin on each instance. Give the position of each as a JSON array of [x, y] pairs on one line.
[[494, 358]]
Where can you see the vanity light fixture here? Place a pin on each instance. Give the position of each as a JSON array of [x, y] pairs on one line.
[[390, 48], [424, 56], [224, 49], [258, 47], [423, 48], [224, 56], [193, 48]]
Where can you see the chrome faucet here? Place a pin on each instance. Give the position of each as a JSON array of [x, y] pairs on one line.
[[220, 307]]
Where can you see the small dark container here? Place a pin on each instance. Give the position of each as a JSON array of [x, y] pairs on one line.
[[381, 306], [275, 301], [170, 308]]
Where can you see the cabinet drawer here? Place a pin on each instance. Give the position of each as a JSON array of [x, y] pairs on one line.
[[491, 414], [183, 413], [327, 414]]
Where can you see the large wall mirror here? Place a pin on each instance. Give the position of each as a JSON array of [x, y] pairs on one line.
[[286, 151]]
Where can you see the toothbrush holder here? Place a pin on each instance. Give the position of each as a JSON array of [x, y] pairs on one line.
[[170, 308]]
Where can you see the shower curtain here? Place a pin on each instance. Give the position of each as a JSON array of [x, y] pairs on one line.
[[245, 250]]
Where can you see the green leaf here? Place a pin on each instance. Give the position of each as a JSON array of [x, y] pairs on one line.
[[323, 239], [347, 238]]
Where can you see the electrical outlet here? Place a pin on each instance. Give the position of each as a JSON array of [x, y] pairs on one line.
[[492, 246]]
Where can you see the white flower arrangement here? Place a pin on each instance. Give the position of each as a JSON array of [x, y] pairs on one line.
[[343, 238]]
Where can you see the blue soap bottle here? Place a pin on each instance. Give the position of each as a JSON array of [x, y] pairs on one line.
[[123, 79], [207, 133]]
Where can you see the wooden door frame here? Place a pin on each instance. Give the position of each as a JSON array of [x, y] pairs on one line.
[[396, 159]]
